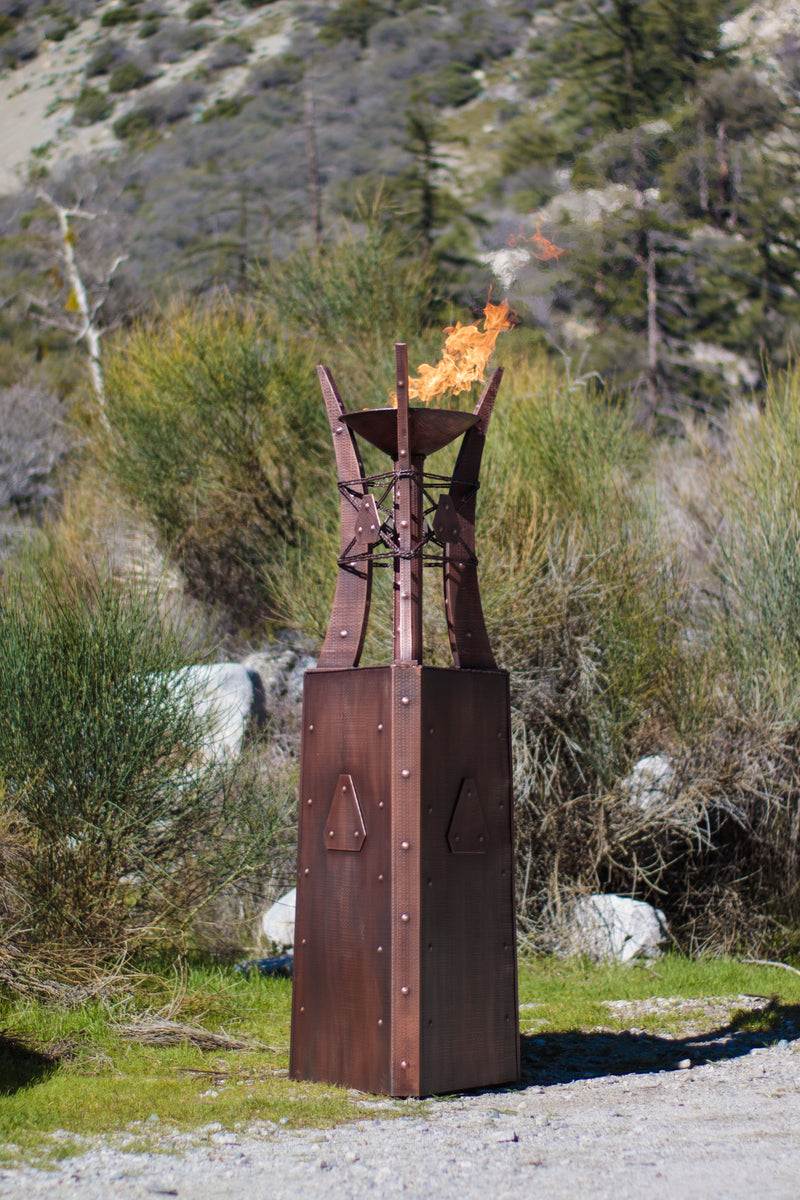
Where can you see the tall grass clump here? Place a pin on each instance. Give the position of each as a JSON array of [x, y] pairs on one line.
[[587, 609], [116, 829], [218, 432]]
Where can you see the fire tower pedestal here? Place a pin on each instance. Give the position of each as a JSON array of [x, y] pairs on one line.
[[405, 956]]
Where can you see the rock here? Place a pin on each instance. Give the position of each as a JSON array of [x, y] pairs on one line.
[[277, 924], [227, 696], [281, 667], [649, 782], [613, 929]]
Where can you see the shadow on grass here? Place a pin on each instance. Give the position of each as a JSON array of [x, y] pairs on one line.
[[549, 1058], [20, 1066]]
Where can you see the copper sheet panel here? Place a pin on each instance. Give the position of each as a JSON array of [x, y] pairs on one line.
[[470, 1031], [340, 1001]]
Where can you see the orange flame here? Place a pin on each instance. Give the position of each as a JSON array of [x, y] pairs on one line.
[[466, 352], [545, 249]]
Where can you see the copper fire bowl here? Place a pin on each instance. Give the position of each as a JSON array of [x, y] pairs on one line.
[[429, 429]]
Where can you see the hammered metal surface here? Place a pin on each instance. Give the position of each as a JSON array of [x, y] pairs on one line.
[[469, 1035], [341, 1010]]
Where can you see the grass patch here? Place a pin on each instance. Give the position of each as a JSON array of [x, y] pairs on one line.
[[67, 1074], [568, 995]]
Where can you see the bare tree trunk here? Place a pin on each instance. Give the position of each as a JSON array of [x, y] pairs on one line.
[[87, 331]]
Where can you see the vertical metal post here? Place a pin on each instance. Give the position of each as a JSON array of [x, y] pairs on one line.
[[407, 639]]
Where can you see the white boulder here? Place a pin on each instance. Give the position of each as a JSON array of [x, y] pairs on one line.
[[649, 782], [277, 923], [224, 697], [613, 929]]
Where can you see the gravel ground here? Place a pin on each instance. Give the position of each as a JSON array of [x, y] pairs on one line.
[[597, 1114]]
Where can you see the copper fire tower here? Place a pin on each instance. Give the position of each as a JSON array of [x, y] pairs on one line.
[[405, 956]]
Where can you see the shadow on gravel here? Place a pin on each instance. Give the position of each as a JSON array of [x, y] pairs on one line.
[[20, 1066], [549, 1058]]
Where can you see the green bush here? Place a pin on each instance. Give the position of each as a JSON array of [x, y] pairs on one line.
[[138, 123], [217, 430], [121, 14], [199, 9], [121, 833], [92, 105], [128, 76]]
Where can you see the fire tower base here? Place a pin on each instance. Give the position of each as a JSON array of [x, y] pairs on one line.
[[405, 979]]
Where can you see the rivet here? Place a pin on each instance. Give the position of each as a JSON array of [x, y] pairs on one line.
[[503, 873], [344, 787], [340, 430], [430, 1022], [380, 949], [306, 871], [302, 1008], [499, 734], [309, 800], [430, 808], [380, 879], [404, 524], [404, 845], [403, 1062], [330, 833], [342, 633], [405, 772], [469, 633], [380, 728], [356, 833], [405, 595], [380, 804], [404, 917], [402, 453], [404, 990], [359, 528], [380, 1022], [311, 729], [404, 700], [505, 945], [430, 883], [431, 729], [430, 945], [302, 941]]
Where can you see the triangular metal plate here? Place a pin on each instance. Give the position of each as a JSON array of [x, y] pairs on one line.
[[468, 832], [345, 828]]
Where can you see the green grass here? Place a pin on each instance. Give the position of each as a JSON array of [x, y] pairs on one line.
[[569, 994], [101, 1084]]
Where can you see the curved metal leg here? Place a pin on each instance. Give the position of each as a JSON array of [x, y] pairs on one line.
[[469, 641], [347, 628]]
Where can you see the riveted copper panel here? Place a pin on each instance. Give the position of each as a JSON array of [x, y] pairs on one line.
[[341, 1004], [469, 1034]]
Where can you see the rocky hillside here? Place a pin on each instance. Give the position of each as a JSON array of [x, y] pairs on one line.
[[654, 143]]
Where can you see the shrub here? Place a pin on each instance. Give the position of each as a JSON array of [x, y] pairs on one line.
[[173, 40], [128, 76], [139, 122], [224, 107], [232, 51], [99, 772], [217, 429], [107, 55], [92, 105], [121, 14], [281, 71], [199, 9]]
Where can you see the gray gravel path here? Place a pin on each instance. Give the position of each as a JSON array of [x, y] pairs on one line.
[[726, 1127]]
